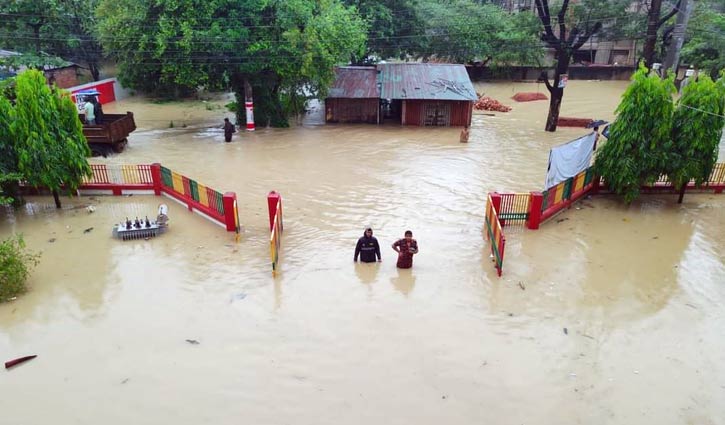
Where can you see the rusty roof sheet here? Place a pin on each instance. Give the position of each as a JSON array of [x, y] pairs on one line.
[[356, 82], [425, 81]]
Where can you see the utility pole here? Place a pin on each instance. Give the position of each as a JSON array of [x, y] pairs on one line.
[[672, 59]]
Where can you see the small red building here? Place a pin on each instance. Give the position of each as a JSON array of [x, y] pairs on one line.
[[422, 94], [354, 98]]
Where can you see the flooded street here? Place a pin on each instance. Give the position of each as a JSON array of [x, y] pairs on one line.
[[620, 320]]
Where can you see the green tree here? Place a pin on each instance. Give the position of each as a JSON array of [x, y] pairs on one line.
[[15, 265], [704, 46], [697, 127], [49, 141], [8, 159], [45, 31], [640, 145], [570, 29], [396, 29], [175, 46], [463, 31]]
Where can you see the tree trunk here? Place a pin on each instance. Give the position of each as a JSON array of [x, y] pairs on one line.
[[653, 18], [36, 32], [56, 198], [248, 105], [95, 72], [556, 92], [267, 106], [554, 106], [682, 193], [678, 37]]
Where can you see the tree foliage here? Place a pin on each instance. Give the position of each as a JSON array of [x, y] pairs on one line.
[[697, 126], [15, 264], [463, 31], [48, 136], [174, 46], [704, 46], [8, 159], [51, 32], [395, 29], [639, 147], [460, 31]]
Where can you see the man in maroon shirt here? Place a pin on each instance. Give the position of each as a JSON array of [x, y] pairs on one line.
[[406, 248]]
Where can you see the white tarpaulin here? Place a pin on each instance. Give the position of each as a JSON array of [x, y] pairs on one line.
[[569, 159]]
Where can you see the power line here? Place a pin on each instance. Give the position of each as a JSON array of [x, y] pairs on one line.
[[236, 27], [208, 58], [704, 112]]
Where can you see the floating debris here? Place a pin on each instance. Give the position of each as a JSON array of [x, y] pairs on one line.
[[18, 361], [485, 103]]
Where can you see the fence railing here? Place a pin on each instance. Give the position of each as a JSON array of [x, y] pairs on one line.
[[120, 179], [536, 207], [715, 182], [560, 196], [189, 188], [276, 228], [104, 174], [494, 232], [514, 208]]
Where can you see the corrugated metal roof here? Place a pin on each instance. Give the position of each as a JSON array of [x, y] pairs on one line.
[[425, 81], [61, 64], [355, 82]]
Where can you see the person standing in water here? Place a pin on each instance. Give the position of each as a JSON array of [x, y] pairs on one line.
[[228, 130], [464, 135], [406, 248], [367, 247]]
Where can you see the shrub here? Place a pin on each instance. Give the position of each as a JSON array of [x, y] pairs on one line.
[[15, 265]]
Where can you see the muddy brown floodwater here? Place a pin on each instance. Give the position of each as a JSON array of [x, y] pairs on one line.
[[639, 289]]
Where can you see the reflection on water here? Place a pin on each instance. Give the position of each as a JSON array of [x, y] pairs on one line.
[[366, 272], [638, 288], [404, 281]]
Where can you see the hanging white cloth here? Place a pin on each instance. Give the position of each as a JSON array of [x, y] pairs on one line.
[[569, 159]]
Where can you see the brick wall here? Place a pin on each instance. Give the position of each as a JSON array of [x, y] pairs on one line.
[[63, 77]]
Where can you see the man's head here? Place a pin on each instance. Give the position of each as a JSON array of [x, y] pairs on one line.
[[368, 232], [226, 119], [408, 234]]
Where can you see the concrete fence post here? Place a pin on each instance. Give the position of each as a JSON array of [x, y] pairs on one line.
[[272, 200], [229, 200], [536, 201], [156, 177]]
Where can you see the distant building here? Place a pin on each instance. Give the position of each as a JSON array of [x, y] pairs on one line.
[[421, 94], [64, 75]]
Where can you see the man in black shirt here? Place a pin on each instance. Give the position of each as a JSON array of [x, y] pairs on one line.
[[367, 247]]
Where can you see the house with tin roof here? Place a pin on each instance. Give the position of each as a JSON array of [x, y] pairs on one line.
[[62, 73], [420, 94]]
